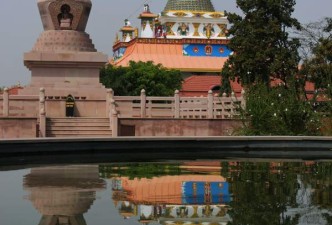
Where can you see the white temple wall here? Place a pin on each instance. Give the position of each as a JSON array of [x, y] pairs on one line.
[[147, 32]]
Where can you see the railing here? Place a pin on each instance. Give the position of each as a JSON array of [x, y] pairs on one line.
[[18, 106], [210, 107], [25, 106]]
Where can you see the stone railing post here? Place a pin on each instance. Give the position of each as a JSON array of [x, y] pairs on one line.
[[115, 123], [109, 97], [5, 102], [110, 112], [112, 106], [176, 104], [243, 99], [210, 104], [233, 109], [42, 113], [143, 104], [223, 100]]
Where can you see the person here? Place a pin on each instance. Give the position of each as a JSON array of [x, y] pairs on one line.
[[65, 18]]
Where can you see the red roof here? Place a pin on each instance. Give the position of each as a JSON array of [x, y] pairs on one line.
[[13, 90], [196, 86], [170, 56], [200, 85]]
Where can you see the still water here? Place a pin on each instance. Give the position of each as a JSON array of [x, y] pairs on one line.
[[197, 192]]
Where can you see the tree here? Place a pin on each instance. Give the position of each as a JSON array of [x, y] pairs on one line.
[[311, 34], [317, 53], [261, 44], [154, 79], [317, 66], [265, 61]]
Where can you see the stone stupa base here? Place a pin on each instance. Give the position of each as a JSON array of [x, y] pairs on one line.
[[62, 74]]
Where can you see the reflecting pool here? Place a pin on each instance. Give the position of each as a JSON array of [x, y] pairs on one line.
[[186, 193]]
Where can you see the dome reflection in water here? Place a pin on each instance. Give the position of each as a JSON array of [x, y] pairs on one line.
[[63, 194]]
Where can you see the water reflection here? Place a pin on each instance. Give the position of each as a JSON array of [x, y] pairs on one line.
[[186, 193], [190, 199], [63, 194], [233, 193], [284, 193]]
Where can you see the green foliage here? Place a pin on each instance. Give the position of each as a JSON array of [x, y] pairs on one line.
[[317, 67], [262, 47], [113, 77], [278, 111], [139, 170], [154, 79]]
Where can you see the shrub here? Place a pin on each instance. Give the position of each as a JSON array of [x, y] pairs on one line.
[[278, 111]]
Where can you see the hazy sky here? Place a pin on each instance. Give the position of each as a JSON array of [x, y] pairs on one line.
[[20, 27]]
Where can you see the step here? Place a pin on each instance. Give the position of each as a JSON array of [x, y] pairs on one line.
[[92, 128], [78, 127], [76, 124], [80, 132], [77, 119], [78, 136]]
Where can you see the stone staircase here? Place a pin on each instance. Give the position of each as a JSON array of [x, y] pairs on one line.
[[72, 127]]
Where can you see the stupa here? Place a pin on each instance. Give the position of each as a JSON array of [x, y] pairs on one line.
[[64, 60]]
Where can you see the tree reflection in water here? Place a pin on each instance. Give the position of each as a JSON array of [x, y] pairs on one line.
[[284, 193]]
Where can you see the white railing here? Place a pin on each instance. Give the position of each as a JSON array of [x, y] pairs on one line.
[[210, 107]]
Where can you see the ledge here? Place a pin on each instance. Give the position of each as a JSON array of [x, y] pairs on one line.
[[125, 149]]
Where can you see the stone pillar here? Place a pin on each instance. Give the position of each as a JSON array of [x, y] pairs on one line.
[[114, 123], [210, 104], [112, 108], [143, 104], [5, 103], [42, 113], [109, 98], [176, 104]]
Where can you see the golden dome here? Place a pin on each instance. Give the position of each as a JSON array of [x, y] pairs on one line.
[[189, 5]]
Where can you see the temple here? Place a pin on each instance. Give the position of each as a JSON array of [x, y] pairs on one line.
[[188, 35]]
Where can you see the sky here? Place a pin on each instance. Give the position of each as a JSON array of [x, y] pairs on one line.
[[21, 25]]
